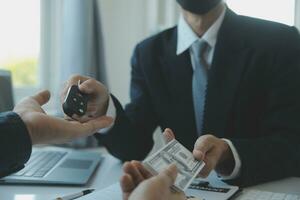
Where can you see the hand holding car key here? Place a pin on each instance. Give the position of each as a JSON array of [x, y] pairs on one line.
[[94, 95], [75, 102]]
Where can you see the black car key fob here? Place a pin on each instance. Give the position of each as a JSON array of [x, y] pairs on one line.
[[75, 102]]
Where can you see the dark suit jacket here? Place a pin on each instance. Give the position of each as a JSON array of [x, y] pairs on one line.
[[15, 143], [253, 97]]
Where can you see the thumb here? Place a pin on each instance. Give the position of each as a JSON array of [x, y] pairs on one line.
[[168, 135], [168, 176], [89, 86], [42, 97]]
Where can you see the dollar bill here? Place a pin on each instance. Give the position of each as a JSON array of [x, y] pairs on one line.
[[174, 152]]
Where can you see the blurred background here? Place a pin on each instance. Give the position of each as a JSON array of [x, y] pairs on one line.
[[43, 42]]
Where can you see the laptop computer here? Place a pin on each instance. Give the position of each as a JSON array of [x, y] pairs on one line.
[[56, 166], [7, 100]]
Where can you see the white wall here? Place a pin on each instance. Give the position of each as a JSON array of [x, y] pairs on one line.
[[297, 17], [123, 27], [125, 23]]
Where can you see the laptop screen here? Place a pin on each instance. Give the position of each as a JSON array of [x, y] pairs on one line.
[[6, 91]]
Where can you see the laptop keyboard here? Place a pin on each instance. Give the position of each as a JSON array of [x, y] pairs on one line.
[[40, 163], [263, 195]]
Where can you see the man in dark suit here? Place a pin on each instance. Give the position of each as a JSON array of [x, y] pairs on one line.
[[216, 73], [28, 124]]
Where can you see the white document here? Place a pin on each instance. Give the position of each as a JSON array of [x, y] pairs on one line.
[[217, 190], [114, 192]]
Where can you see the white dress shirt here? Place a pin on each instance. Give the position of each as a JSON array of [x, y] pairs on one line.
[[186, 37]]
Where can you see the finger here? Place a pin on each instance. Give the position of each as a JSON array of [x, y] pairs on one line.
[[66, 117], [202, 146], [92, 109], [90, 86], [73, 129], [72, 81], [210, 164], [204, 173], [127, 183], [145, 173], [75, 79], [94, 125], [81, 119], [127, 186], [58, 130], [168, 135], [136, 175], [42, 97], [198, 155], [168, 176]]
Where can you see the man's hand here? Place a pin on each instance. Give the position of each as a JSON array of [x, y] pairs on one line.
[[44, 129], [215, 152], [98, 96], [137, 183]]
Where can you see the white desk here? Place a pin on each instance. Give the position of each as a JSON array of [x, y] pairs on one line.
[[108, 173]]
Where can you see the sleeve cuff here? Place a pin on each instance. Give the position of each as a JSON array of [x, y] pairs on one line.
[[111, 112], [15, 142], [238, 164]]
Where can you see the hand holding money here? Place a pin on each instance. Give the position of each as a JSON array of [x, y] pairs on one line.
[[175, 153], [216, 154], [137, 183]]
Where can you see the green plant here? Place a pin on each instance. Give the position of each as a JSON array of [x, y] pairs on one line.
[[24, 71]]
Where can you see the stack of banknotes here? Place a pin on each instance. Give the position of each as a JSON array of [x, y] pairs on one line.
[[174, 152]]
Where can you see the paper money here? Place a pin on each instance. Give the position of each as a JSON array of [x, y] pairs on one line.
[[174, 152]]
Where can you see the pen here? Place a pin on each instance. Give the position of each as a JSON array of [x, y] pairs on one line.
[[76, 195]]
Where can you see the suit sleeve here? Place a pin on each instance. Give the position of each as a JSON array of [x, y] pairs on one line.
[[15, 143], [131, 136], [277, 154]]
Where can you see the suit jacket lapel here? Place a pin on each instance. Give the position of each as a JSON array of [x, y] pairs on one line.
[[224, 77]]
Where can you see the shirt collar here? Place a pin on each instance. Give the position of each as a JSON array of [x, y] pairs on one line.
[[186, 35]]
